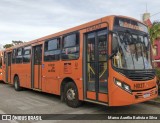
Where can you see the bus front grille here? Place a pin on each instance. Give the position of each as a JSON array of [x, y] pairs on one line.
[[138, 75], [141, 75]]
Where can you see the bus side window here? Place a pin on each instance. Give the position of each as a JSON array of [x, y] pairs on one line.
[[27, 54], [4, 58], [14, 56], [52, 50], [70, 49], [19, 57]]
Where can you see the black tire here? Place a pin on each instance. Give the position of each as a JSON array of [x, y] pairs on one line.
[[17, 84], [71, 99]]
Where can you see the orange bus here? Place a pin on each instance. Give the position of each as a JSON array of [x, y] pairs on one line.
[[106, 61]]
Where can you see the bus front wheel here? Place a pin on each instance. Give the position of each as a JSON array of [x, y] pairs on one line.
[[71, 95], [17, 84]]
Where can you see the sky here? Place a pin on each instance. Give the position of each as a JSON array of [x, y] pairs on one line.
[[27, 20]]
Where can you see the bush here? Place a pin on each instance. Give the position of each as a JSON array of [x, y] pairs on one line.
[[158, 77], [158, 73]]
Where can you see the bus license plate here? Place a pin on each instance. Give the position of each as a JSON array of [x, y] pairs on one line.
[[146, 95]]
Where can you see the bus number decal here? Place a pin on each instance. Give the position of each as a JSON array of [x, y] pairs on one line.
[[51, 67], [139, 85]]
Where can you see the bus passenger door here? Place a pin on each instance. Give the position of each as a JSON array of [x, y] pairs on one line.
[[8, 67], [96, 70], [37, 67]]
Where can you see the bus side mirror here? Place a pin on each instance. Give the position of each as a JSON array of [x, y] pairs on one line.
[[115, 46]]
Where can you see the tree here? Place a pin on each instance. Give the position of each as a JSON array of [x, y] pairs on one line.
[[17, 42], [7, 46], [154, 31], [13, 44]]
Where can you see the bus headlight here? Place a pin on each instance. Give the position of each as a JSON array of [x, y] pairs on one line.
[[0, 73], [123, 85]]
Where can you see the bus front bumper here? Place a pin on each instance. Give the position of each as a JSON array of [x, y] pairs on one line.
[[142, 96], [122, 98]]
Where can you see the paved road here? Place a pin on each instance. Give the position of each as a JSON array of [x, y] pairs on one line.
[[29, 102]]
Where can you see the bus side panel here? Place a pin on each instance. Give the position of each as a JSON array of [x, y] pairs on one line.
[[4, 72], [9, 74], [19, 69], [27, 75], [50, 77], [73, 69], [13, 73]]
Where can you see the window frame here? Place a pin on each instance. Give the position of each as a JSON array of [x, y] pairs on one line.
[[77, 33], [23, 55], [20, 56], [4, 57], [59, 48], [21, 51], [15, 55]]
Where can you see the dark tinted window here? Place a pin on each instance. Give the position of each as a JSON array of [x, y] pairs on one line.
[[27, 54], [52, 44], [52, 50], [9, 58], [4, 57], [19, 52], [70, 47], [38, 55], [70, 40], [14, 56], [128, 23], [19, 57]]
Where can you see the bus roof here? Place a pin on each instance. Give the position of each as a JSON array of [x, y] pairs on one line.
[[103, 19]]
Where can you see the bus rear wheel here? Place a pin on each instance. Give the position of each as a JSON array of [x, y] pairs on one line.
[[17, 84], [71, 95]]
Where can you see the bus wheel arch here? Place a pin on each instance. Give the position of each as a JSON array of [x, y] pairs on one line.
[[66, 86], [16, 83]]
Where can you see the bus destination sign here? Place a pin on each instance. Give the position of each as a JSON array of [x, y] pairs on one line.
[[131, 24]]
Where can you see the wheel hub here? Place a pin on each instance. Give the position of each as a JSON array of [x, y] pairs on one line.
[[16, 84], [70, 94]]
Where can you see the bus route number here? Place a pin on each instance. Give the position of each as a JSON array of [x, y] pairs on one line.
[[139, 85]]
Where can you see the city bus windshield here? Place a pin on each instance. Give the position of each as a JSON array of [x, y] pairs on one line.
[[133, 51]]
